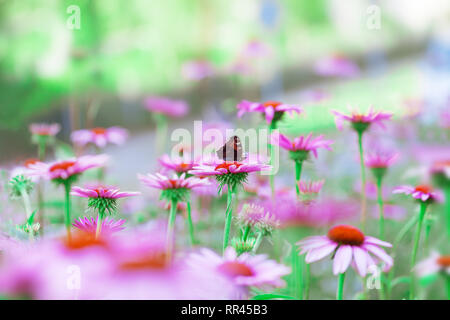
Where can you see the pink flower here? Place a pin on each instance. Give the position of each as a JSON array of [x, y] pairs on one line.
[[245, 270], [89, 225], [101, 192], [44, 129], [167, 106], [226, 167], [301, 143], [435, 263], [441, 167], [256, 216], [310, 187], [346, 244], [336, 66], [160, 181], [365, 120], [25, 170], [273, 110], [178, 164], [197, 70], [380, 159], [421, 192], [64, 169], [100, 136]]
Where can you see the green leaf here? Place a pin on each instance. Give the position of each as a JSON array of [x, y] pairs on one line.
[[400, 280], [427, 280], [31, 218], [269, 296]]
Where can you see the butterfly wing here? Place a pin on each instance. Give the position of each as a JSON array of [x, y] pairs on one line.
[[232, 150]]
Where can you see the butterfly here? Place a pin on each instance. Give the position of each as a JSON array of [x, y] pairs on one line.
[[232, 150]]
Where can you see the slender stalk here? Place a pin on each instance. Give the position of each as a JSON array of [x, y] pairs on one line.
[[381, 206], [297, 274], [307, 280], [190, 224], [246, 233], [229, 216], [26, 203], [257, 242], [447, 286], [423, 208], [272, 127], [101, 214], [447, 209], [170, 228], [40, 198], [161, 133], [67, 219], [298, 173], [363, 181], [340, 288]]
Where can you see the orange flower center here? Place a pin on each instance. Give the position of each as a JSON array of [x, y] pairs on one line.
[[226, 165], [270, 103], [62, 166], [29, 162], [235, 269], [345, 234], [173, 183], [151, 261], [185, 166], [99, 131], [81, 240], [444, 261], [423, 188]]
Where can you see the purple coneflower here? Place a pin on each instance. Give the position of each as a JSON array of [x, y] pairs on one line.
[[90, 225], [44, 129], [346, 244], [433, 265], [273, 111], [440, 171], [178, 164], [336, 66], [100, 136]]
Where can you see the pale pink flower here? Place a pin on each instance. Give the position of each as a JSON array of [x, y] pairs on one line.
[[100, 136], [336, 66], [89, 225], [435, 263], [101, 192], [371, 116], [64, 169], [44, 129], [380, 159], [441, 167], [197, 70], [180, 164], [25, 170], [307, 143], [347, 244], [421, 192], [160, 181], [226, 167], [310, 187], [167, 106], [245, 270], [270, 109]]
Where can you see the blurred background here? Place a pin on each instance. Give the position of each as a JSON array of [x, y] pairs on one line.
[[91, 63]]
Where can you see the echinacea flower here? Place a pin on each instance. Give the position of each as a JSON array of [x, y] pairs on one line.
[[44, 129], [423, 192], [244, 270], [310, 187], [301, 146], [380, 160], [336, 66], [89, 225], [272, 110], [255, 216], [361, 121], [178, 164], [167, 106], [100, 136], [435, 263], [440, 171], [346, 244]]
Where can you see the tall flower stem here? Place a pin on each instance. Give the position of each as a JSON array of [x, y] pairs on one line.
[[67, 219], [423, 209], [340, 288], [447, 209], [259, 238], [298, 173], [190, 223], [26, 202], [170, 228], [447, 286], [246, 233], [101, 214], [40, 195], [161, 132], [272, 127], [229, 216], [363, 181], [381, 206]]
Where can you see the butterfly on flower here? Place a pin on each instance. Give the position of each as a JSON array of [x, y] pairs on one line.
[[232, 150]]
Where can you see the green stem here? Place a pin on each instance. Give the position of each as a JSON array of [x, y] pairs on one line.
[[67, 219], [228, 218], [298, 173], [257, 242], [246, 233], [101, 213], [363, 181], [447, 209], [340, 288], [190, 223], [161, 132], [40, 197], [423, 208], [307, 280], [381, 206], [272, 127], [26, 203], [447, 286], [170, 229]]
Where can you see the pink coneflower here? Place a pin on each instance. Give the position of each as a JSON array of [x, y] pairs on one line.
[[347, 244], [101, 192], [310, 187], [380, 159], [255, 216], [361, 121], [178, 164], [434, 264], [336, 66], [301, 143], [197, 70], [167, 106], [100, 136], [423, 192], [272, 110], [162, 182], [108, 227], [65, 169], [244, 270], [44, 129], [25, 169]]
